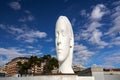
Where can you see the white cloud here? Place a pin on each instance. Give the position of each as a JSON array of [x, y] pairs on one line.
[[96, 38], [116, 27], [15, 30], [93, 38], [36, 52], [30, 47], [92, 32], [77, 36], [9, 54], [93, 26], [73, 21], [11, 29], [115, 41], [28, 40], [53, 49], [24, 34], [31, 36], [49, 40], [95, 65], [3, 61], [27, 11], [15, 5], [26, 18], [84, 13], [116, 3], [2, 26], [81, 54], [98, 12], [111, 60], [116, 21]]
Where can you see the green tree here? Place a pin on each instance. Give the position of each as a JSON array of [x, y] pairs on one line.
[[19, 65], [33, 61], [51, 63], [23, 68]]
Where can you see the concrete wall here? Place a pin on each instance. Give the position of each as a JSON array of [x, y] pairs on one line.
[[98, 75], [50, 77], [112, 77]]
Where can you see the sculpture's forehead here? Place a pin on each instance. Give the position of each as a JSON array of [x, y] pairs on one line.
[[61, 28], [62, 24]]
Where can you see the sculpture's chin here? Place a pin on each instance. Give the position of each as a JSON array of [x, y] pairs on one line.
[[62, 56], [60, 59]]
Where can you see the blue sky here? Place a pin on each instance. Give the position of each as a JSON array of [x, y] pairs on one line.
[[27, 27]]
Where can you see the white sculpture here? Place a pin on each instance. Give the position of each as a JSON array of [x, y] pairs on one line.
[[64, 44]]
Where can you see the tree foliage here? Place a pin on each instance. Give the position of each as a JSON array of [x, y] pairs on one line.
[[50, 64]]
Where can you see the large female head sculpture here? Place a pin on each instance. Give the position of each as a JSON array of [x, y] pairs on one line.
[[64, 44]]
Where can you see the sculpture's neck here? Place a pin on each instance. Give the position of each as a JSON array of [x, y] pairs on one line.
[[66, 66]]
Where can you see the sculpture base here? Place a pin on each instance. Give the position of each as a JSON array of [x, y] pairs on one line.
[[51, 77]]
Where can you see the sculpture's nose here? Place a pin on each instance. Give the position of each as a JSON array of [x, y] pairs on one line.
[[59, 40]]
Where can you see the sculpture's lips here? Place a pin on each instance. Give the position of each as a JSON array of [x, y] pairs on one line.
[[59, 50]]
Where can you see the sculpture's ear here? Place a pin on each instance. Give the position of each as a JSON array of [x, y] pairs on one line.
[[71, 42]]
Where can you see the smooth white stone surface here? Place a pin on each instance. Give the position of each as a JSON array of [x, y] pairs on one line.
[[50, 77], [64, 44]]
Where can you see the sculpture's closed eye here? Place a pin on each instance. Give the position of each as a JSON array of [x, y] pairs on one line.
[[58, 43], [57, 34], [63, 34]]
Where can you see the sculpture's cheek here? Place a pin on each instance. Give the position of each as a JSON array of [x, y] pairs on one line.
[[63, 49], [62, 54]]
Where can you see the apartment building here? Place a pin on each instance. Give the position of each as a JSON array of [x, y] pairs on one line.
[[38, 69], [11, 67], [2, 71]]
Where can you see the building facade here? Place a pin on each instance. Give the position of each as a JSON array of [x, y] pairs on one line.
[[101, 74], [11, 67], [2, 71], [38, 69], [78, 68]]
